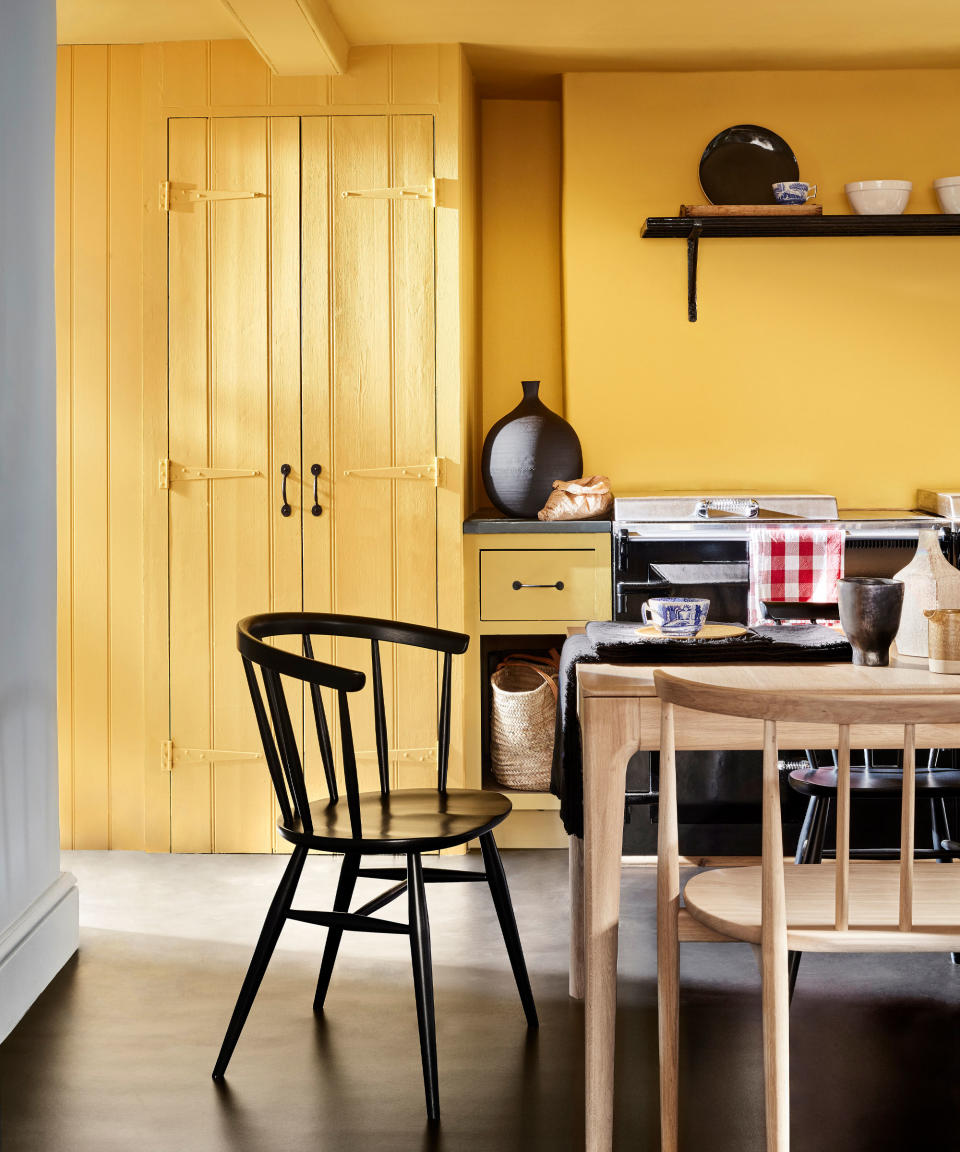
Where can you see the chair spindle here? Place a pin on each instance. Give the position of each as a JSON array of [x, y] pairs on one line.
[[323, 732], [907, 816], [274, 720], [842, 919], [269, 745], [288, 746], [380, 718], [350, 767], [443, 726]]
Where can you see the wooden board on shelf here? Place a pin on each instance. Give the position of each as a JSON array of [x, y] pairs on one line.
[[750, 210]]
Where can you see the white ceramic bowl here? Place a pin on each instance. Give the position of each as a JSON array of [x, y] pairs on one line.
[[948, 193], [878, 197]]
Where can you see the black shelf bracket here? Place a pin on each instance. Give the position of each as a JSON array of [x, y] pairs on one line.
[[695, 228], [693, 251]]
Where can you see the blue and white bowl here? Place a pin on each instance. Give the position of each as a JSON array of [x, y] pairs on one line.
[[676, 615]]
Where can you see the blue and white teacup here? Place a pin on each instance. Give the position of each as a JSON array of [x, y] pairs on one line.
[[676, 615], [793, 192]]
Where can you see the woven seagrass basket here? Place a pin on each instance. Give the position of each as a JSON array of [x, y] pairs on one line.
[[522, 721]]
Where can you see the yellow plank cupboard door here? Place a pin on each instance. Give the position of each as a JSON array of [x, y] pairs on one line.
[[369, 404], [234, 383], [301, 334]]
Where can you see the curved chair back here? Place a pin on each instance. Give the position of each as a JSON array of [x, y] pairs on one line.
[[896, 705], [273, 719]]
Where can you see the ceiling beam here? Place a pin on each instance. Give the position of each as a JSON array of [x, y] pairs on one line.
[[295, 37]]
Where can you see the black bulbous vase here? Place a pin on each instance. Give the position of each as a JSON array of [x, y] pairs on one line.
[[524, 452]]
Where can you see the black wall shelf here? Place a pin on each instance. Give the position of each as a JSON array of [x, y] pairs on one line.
[[693, 229]]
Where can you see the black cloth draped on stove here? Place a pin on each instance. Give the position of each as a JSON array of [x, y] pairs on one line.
[[618, 643]]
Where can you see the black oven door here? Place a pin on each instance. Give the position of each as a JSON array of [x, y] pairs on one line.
[[715, 570]]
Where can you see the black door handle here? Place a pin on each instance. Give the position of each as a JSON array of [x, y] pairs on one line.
[[285, 508], [517, 585], [315, 471]]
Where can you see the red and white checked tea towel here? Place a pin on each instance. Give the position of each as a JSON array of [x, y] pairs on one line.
[[794, 565]]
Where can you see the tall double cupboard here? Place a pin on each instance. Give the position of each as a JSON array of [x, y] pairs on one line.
[[304, 428]]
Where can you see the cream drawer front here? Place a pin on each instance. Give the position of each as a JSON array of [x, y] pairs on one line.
[[538, 572]]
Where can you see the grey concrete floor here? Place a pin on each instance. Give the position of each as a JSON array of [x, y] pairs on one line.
[[116, 1055]]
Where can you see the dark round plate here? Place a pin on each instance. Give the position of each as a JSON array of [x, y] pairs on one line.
[[740, 164]]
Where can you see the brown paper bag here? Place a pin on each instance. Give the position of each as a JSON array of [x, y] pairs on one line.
[[588, 498]]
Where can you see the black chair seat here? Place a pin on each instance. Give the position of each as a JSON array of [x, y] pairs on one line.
[[408, 820], [878, 783]]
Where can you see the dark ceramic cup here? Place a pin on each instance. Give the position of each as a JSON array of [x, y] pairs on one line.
[[870, 616]]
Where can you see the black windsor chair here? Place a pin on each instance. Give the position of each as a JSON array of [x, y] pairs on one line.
[[934, 784], [403, 822], [818, 782]]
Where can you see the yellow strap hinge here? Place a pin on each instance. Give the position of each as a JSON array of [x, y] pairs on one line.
[[405, 755], [170, 472], [440, 193], [181, 197], [172, 756], [435, 470]]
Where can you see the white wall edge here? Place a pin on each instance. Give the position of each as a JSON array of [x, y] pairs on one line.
[[35, 947]]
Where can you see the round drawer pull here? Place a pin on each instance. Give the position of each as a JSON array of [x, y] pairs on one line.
[[517, 585]]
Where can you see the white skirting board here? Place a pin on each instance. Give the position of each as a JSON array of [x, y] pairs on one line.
[[35, 947]]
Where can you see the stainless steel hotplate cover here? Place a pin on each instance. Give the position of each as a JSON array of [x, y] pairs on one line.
[[736, 506]]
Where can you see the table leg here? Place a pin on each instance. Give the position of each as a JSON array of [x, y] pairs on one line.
[[576, 918], [668, 938], [611, 733]]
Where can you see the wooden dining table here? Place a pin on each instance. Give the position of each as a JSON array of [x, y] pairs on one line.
[[619, 714]]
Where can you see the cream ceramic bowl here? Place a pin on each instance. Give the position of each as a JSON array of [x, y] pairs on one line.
[[878, 197], [948, 193]]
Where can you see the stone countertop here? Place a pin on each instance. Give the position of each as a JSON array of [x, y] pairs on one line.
[[490, 520]]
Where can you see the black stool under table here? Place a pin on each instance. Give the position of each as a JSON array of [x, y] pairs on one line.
[[870, 782]]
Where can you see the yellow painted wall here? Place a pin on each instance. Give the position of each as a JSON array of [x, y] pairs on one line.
[[826, 364], [520, 148]]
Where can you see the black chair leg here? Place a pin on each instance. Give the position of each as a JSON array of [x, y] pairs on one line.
[[936, 833], [269, 935], [497, 879], [423, 981], [818, 832], [940, 832], [341, 903], [811, 851], [804, 837]]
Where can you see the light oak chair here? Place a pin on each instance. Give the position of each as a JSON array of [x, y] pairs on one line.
[[834, 906]]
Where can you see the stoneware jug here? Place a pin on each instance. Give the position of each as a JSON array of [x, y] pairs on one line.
[[944, 626], [929, 581], [524, 452]]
